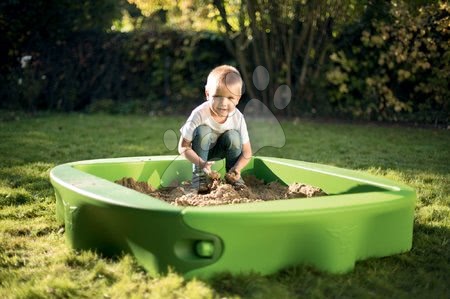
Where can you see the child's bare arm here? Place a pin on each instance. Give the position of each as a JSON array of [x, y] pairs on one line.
[[244, 158], [185, 149]]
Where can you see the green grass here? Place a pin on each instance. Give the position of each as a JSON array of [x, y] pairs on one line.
[[36, 263]]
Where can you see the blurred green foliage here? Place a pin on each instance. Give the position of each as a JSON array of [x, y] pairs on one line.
[[154, 70], [369, 59], [63, 55], [394, 65], [25, 23]]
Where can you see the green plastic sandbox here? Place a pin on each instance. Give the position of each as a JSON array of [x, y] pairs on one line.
[[363, 216]]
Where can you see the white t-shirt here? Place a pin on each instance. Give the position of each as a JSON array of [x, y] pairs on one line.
[[202, 116]]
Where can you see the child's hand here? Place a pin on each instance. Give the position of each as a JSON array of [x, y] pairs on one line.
[[207, 167], [233, 175]]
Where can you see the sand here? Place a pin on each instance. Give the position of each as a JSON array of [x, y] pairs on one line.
[[223, 193]]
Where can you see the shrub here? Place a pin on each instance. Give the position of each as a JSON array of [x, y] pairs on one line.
[[396, 68], [163, 69]]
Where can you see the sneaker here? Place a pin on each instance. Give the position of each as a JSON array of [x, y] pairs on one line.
[[200, 181], [230, 178], [240, 183]]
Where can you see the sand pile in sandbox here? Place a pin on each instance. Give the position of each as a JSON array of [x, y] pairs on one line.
[[222, 193]]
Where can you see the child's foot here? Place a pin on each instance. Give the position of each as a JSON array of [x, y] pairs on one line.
[[200, 182], [232, 177], [239, 184]]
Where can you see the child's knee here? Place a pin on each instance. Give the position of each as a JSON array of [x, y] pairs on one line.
[[233, 139], [203, 138], [202, 131]]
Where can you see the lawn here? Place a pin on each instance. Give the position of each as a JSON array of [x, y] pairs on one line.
[[36, 263]]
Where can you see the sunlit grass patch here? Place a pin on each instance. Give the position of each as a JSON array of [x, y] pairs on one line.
[[14, 196], [23, 184], [434, 215]]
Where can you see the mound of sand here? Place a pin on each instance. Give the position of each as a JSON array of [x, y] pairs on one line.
[[222, 193]]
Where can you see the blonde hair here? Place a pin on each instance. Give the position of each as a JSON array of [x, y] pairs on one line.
[[225, 76]]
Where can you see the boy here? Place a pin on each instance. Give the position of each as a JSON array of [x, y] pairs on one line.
[[217, 130]]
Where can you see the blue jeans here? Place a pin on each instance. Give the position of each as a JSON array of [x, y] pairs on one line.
[[228, 145]]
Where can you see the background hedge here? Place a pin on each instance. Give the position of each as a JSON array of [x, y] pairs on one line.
[[390, 61], [113, 72]]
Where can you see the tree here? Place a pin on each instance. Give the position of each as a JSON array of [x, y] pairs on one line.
[[291, 39]]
